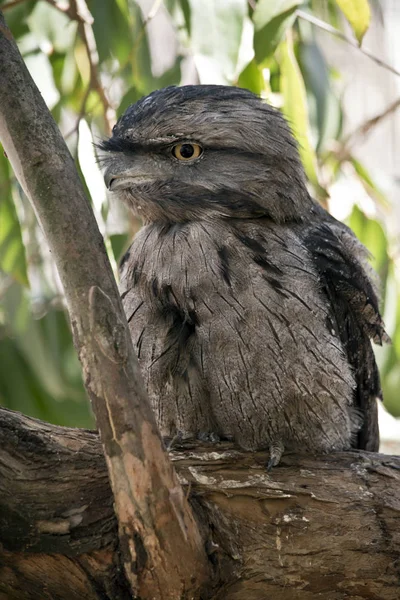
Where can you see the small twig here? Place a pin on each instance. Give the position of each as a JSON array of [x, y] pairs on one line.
[[343, 150], [326, 27], [365, 128], [86, 32], [69, 10], [81, 113], [77, 10], [12, 4], [151, 14], [153, 11]]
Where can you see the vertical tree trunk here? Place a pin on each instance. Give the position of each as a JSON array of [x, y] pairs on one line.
[[162, 550]]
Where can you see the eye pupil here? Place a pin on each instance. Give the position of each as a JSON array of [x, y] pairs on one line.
[[186, 150]]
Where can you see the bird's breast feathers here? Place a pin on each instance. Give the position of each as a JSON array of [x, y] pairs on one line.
[[236, 313]]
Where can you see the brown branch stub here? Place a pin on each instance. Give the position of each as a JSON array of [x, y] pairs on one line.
[[154, 517]]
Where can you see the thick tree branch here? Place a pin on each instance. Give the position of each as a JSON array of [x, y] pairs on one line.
[[162, 549], [316, 527]]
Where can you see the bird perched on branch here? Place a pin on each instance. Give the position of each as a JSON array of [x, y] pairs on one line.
[[251, 308]]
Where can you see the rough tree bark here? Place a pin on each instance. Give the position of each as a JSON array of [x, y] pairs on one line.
[[155, 519], [316, 527]]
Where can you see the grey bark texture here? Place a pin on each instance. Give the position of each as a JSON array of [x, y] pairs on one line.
[[154, 517], [323, 527]]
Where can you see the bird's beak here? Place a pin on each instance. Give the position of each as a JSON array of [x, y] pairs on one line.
[[115, 181], [119, 175]]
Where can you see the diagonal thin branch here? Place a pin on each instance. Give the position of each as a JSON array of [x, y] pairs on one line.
[[11, 4], [366, 127], [326, 27]]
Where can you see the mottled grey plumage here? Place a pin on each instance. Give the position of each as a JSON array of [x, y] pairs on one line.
[[250, 307]]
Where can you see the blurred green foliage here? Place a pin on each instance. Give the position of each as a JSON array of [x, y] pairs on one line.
[[90, 62]]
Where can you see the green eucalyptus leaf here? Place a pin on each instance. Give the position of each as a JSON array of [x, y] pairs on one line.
[[28, 393], [216, 34], [252, 78], [139, 73], [42, 73], [131, 96], [369, 184], [12, 251], [391, 386], [266, 10], [120, 243], [295, 108], [389, 356], [396, 337], [358, 14], [42, 350], [170, 77], [17, 392], [112, 30], [123, 6], [17, 17], [371, 233], [316, 79], [69, 75], [185, 6], [171, 5], [271, 20], [52, 28], [327, 118]]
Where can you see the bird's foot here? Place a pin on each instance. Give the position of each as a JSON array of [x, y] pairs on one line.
[[208, 436], [276, 450], [171, 442]]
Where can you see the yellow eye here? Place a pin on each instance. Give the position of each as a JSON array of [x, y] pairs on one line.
[[187, 151]]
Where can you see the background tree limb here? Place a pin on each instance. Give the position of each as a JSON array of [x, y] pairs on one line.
[[162, 549]]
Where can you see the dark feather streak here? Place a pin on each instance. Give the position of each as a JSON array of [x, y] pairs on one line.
[[345, 284], [223, 255]]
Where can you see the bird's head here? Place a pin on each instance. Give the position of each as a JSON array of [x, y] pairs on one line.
[[201, 151]]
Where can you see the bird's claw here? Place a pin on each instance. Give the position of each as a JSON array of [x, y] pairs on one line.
[[276, 450], [178, 437], [208, 436]]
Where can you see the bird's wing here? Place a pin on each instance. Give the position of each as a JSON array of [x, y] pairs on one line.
[[347, 281]]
